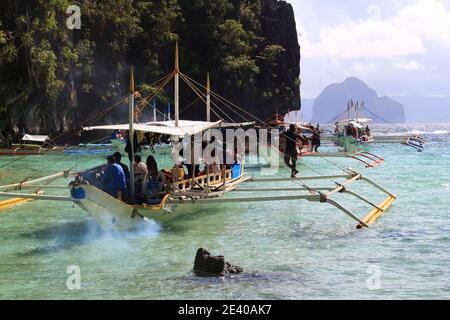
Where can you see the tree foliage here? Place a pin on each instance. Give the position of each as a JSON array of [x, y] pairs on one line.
[[44, 63]]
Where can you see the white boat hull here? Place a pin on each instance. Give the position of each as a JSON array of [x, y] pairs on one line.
[[112, 214]]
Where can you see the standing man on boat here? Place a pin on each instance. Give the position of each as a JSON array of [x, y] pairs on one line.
[[114, 182], [118, 157], [290, 152], [316, 139], [136, 147]]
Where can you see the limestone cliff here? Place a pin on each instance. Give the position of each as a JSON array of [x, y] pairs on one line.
[[52, 78]]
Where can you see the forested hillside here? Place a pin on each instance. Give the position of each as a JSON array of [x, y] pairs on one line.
[[52, 78]]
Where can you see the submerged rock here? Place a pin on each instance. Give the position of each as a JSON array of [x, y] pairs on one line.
[[213, 266]]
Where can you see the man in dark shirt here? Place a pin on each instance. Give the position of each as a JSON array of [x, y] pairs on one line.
[[118, 157], [290, 152], [136, 146], [316, 139]]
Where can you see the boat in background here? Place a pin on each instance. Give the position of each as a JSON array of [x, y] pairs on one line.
[[305, 148], [354, 132], [30, 145]]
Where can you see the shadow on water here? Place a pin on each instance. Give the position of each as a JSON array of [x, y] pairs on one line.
[[184, 223], [249, 278], [63, 236], [73, 234]]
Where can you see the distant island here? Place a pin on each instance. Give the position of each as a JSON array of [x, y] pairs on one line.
[[417, 108], [331, 104]]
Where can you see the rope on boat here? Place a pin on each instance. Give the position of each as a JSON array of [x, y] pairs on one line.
[[227, 103], [164, 81], [300, 182], [190, 82]]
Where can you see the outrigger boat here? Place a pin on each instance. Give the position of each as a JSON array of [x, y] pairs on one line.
[[191, 195], [184, 196], [354, 133], [369, 159], [30, 145]]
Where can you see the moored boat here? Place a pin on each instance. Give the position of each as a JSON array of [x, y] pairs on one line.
[[179, 194]]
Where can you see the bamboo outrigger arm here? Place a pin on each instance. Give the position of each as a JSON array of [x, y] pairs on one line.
[[19, 198], [240, 200], [36, 197], [32, 183], [346, 211], [320, 196]]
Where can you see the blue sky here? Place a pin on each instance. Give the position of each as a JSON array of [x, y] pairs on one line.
[[397, 46]]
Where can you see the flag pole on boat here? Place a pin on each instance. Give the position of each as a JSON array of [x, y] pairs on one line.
[[168, 111], [177, 102], [131, 132], [177, 87], [208, 99], [208, 105]]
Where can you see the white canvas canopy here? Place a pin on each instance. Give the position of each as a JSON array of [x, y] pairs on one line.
[[185, 127], [357, 123], [236, 125], [364, 120], [190, 123], [35, 138]]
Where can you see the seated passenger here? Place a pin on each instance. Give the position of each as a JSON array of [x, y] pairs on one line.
[[140, 175], [140, 168], [152, 168], [113, 182], [156, 181]]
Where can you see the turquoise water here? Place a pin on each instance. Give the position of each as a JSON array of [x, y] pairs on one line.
[[291, 250]]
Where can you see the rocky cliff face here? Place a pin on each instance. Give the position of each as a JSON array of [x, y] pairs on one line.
[[279, 27], [53, 78], [331, 104]]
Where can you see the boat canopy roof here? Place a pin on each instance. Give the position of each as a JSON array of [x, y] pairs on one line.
[[357, 123], [185, 127], [190, 123], [226, 125], [35, 138]]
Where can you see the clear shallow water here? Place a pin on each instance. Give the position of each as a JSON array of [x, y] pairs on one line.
[[291, 250]]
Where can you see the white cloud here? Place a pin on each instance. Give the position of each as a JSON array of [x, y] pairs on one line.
[[401, 35], [408, 65], [401, 46], [364, 67]]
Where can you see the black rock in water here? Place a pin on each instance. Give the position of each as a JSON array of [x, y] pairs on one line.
[[213, 266]]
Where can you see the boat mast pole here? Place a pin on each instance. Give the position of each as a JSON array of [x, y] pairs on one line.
[[168, 111], [177, 108], [177, 87], [208, 119], [131, 132], [357, 110], [208, 99], [350, 104], [154, 110]]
